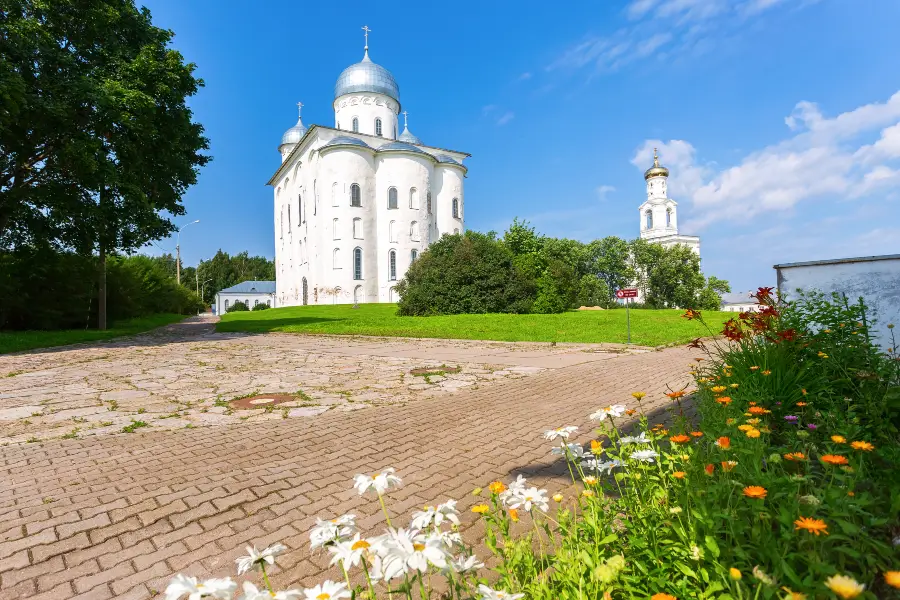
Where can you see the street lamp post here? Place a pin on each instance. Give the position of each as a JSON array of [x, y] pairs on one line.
[[203, 291], [178, 252]]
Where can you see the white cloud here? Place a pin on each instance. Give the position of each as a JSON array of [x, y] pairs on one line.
[[525, 76], [826, 159], [603, 190], [506, 118]]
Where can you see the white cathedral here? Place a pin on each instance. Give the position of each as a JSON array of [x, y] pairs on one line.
[[658, 213], [356, 203]]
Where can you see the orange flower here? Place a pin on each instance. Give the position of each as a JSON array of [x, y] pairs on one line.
[[795, 456], [728, 465], [803, 391], [718, 389], [496, 487], [864, 446], [596, 446], [729, 421], [662, 596], [755, 491], [892, 578], [630, 412], [680, 439], [752, 433], [754, 368], [801, 404], [767, 372], [724, 400], [834, 459], [791, 595], [724, 442], [838, 439], [675, 395], [697, 433], [514, 514], [815, 526], [851, 494], [679, 474], [709, 469], [757, 410]]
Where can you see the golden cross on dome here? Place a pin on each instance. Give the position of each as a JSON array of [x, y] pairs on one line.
[[655, 158], [367, 30]]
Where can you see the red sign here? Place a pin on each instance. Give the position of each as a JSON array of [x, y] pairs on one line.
[[627, 293]]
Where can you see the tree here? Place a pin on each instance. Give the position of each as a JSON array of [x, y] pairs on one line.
[[225, 270], [592, 291], [556, 288], [711, 296], [127, 148], [467, 273], [521, 238], [608, 259]]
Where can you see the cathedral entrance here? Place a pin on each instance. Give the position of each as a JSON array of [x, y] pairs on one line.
[[305, 293]]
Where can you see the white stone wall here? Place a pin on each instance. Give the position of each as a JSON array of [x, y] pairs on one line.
[[448, 184], [367, 106], [251, 298]]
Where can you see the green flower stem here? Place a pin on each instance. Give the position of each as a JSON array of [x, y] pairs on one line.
[[384, 509], [262, 567]]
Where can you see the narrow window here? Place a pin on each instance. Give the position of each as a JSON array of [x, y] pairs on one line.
[[315, 197], [378, 127], [289, 218], [428, 202], [668, 217], [226, 305], [355, 125], [414, 198], [392, 259], [269, 303], [649, 224], [414, 231], [357, 263], [336, 262], [334, 196], [335, 230], [357, 228], [392, 198], [355, 199], [456, 208], [392, 232], [413, 255], [357, 294]]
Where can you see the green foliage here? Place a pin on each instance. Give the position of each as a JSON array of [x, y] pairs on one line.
[[261, 306], [225, 271], [556, 289], [238, 307], [669, 277], [609, 261], [44, 289], [469, 273], [710, 297], [592, 291]]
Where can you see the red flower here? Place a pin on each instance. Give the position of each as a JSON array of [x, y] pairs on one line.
[[762, 294], [788, 335], [732, 331], [709, 469], [768, 311], [691, 314], [696, 343]]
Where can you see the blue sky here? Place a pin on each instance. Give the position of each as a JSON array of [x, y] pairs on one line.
[[778, 118]]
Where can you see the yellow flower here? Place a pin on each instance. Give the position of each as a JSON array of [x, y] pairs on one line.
[[557, 497], [514, 514], [892, 578], [844, 586], [590, 480], [753, 433], [838, 439], [815, 526], [480, 509], [678, 474], [735, 574], [791, 595], [718, 389], [745, 427], [767, 372], [638, 395], [753, 421], [496, 487], [662, 596], [477, 492], [864, 446], [754, 368], [822, 354], [587, 493]]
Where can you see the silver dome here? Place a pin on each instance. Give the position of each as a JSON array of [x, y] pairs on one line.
[[366, 76], [346, 140], [294, 134], [400, 147], [406, 136]]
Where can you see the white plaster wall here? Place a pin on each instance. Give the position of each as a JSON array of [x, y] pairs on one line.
[[367, 107], [876, 281], [448, 184], [221, 297]]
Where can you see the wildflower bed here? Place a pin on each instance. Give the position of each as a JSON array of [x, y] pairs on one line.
[[784, 484]]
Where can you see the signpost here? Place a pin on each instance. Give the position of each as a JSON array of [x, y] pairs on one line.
[[625, 294]]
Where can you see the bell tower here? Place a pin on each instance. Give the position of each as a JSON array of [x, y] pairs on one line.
[[658, 212]]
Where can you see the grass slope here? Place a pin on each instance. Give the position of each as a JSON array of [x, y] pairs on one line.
[[16, 341], [648, 327]]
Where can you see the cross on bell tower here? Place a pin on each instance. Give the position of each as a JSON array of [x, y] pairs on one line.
[[299, 109], [405, 116], [367, 30]]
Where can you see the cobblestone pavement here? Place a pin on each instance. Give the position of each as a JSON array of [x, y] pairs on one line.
[[114, 516], [184, 376]]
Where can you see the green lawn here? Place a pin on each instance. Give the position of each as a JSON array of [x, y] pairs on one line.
[[16, 341], [648, 327]]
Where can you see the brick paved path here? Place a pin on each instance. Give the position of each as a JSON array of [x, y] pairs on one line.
[[116, 516]]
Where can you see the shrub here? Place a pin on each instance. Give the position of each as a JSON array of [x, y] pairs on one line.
[[468, 273], [238, 307], [261, 306], [593, 291]]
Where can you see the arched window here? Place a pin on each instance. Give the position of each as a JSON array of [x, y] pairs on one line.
[[428, 202], [355, 125], [413, 255], [649, 216], [315, 197], [357, 263], [377, 126], [392, 294], [334, 196], [289, 218], [392, 197], [456, 231], [302, 204], [226, 305], [392, 262], [414, 198], [392, 232], [335, 230], [357, 294], [269, 303], [668, 217], [355, 199], [456, 208], [414, 231], [357, 229], [336, 259]]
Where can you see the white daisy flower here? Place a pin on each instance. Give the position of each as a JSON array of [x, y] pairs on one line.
[[645, 455], [436, 514], [251, 592], [405, 549], [350, 552], [635, 439], [449, 539], [574, 450], [380, 482], [466, 564], [335, 530], [487, 593], [562, 432], [221, 589], [532, 497], [616, 410], [327, 590], [257, 558]]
